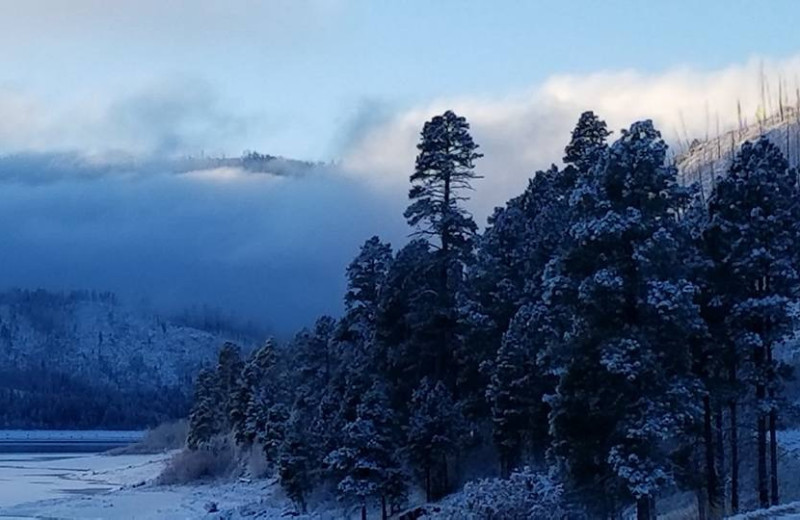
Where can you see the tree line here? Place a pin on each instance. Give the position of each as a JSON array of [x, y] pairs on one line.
[[609, 325]]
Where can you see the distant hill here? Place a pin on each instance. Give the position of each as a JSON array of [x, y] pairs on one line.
[[38, 168], [82, 359]]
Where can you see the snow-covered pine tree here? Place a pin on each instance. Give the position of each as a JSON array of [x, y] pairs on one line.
[[588, 144], [406, 324], [205, 418], [315, 358], [367, 460], [752, 213], [509, 257], [444, 171], [361, 357], [623, 363], [257, 390], [519, 382], [229, 371], [365, 278], [298, 460], [315, 363], [512, 256], [715, 365], [435, 429], [273, 431]]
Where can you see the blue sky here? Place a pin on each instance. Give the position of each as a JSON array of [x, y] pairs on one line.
[[298, 73]]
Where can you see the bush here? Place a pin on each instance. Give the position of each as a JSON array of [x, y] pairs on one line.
[[215, 459], [525, 494]]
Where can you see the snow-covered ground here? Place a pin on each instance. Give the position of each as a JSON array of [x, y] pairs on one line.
[[77, 486]]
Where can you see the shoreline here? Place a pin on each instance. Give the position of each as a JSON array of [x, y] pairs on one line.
[[116, 487]]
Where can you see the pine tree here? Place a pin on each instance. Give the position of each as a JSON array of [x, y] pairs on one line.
[[588, 144], [257, 390], [365, 279], [751, 219], [315, 357], [273, 430], [229, 370], [205, 419], [407, 325], [512, 257], [297, 460], [516, 392], [435, 430], [443, 172], [623, 363], [509, 260], [356, 335], [715, 365], [368, 460]]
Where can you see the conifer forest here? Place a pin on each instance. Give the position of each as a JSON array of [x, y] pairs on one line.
[[609, 338]]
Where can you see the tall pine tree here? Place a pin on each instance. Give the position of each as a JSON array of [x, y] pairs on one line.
[[752, 212], [623, 363]]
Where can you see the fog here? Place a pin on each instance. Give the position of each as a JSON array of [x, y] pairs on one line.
[[266, 248]]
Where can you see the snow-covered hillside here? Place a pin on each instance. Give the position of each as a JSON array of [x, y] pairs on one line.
[[92, 342], [705, 160]]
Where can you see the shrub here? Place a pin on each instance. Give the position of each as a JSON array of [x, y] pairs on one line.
[[525, 494], [214, 459]]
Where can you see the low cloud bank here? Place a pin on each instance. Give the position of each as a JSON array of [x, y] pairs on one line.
[[527, 131], [267, 248]]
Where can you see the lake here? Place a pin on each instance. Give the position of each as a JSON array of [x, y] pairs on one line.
[[65, 441], [39, 465]]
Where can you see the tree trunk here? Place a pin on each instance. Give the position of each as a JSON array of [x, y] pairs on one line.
[[702, 501], [384, 513], [734, 457], [720, 452], [644, 508], [712, 486], [428, 483], [773, 457], [363, 511], [773, 423], [445, 476], [761, 426]]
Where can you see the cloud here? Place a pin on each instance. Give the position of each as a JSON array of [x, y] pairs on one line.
[[164, 118], [266, 247], [528, 130]]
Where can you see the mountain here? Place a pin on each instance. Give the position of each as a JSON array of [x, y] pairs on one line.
[[83, 359]]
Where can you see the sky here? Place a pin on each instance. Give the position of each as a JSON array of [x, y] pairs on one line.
[[348, 83]]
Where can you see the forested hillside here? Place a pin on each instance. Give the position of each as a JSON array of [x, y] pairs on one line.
[[83, 360]]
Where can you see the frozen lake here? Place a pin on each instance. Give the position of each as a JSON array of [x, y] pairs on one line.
[[52, 478], [64, 441], [76, 485], [40, 465], [85, 486]]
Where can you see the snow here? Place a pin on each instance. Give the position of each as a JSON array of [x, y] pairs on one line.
[[31, 477], [784, 512], [790, 441], [96, 486]]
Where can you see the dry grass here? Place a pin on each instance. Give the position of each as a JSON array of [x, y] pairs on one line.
[[217, 459]]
